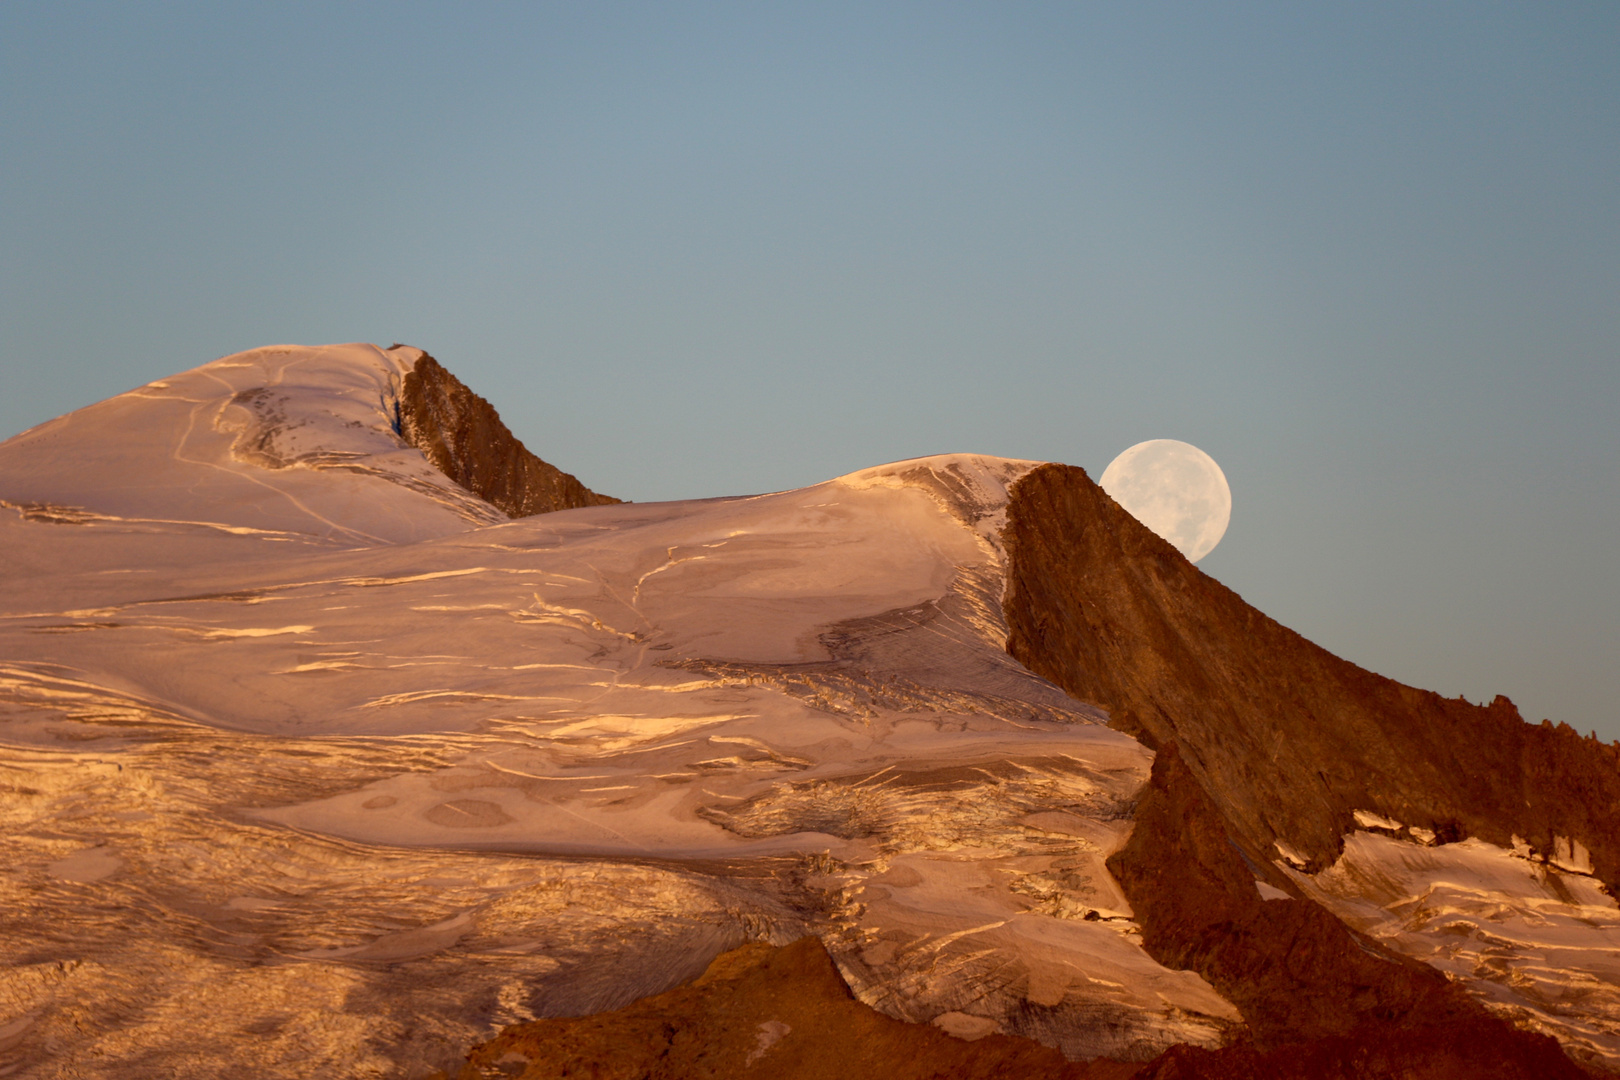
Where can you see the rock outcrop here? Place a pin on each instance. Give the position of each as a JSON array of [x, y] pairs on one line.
[[1288, 739], [759, 1011], [464, 438], [1267, 746], [1321, 1002]]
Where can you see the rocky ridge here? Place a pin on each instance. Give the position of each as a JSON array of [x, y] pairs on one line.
[[1268, 746], [463, 437], [759, 1011], [1289, 739], [595, 749]]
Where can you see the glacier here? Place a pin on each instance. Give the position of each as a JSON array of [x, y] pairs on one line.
[[314, 759]]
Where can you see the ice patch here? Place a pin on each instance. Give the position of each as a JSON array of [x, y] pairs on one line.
[[769, 1034], [1290, 855], [965, 1026], [1269, 891], [1570, 856], [1366, 819]]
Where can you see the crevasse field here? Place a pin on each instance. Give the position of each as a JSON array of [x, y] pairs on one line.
[[311, 759]]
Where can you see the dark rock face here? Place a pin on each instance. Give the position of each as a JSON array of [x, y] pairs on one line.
[[1263, 736], [782, 1013], [1320, 1001], [464, 438], [1287, 738]]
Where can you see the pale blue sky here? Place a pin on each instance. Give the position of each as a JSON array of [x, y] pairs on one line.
[[1366, 255]]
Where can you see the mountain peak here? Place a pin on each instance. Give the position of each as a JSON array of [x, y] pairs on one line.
[[335, 444]]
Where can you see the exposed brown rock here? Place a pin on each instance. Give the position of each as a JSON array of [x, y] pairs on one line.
[[1263, 736], [1287, 738], [1321, 1001], [464, 438], [758, 1011]]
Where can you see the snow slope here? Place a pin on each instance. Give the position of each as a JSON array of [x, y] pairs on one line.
[[280, 442], [1538, 940], [315, 757], [310, 757]]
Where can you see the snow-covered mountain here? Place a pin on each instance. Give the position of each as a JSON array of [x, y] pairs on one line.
[[317, 758]]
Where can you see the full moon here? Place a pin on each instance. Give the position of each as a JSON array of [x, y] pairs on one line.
[[1176, 490]]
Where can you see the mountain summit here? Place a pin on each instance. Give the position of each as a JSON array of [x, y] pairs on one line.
[[343, 735]]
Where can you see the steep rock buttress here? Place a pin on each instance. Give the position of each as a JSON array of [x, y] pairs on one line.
[[1269, 745], [1289, 739], [463, 437]]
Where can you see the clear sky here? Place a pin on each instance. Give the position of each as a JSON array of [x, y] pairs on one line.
[[1366, 255]]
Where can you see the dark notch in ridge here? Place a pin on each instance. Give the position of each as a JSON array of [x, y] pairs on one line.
[[463, 437]]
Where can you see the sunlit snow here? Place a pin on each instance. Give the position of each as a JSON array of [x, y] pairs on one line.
[[315, 760], [1537, 943]]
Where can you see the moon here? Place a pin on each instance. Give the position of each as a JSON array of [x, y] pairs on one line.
[[1176, 490]]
